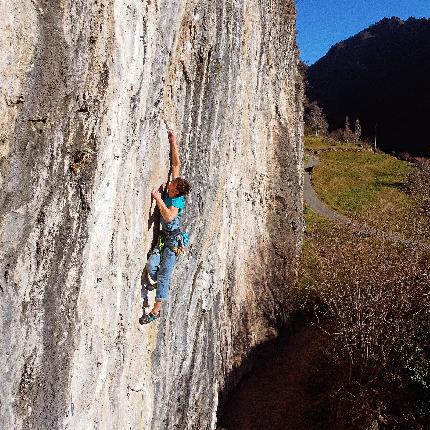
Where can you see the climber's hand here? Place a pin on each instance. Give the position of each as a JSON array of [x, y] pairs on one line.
[[172, 137], [156, 194]]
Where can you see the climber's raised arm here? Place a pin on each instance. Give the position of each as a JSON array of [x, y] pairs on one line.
[[175, 163]]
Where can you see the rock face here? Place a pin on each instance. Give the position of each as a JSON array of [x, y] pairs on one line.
[[88, 90]]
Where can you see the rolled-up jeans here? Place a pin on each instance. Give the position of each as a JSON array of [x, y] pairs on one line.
[[160, 267]]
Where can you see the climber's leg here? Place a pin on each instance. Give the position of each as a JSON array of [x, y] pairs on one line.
[[164, 274], [153, 264]]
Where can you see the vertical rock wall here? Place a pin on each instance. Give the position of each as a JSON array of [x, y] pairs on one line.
[[87, 91]]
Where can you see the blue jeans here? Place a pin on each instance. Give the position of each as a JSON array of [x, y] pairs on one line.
[[160, 267]]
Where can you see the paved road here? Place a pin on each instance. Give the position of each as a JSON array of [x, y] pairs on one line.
[[319, 207], [313, 200]]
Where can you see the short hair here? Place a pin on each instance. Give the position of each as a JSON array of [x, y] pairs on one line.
[[183, 186]]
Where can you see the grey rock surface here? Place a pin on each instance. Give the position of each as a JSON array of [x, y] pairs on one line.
[[88, 90]]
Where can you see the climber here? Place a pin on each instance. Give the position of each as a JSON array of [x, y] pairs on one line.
[[163, 258]]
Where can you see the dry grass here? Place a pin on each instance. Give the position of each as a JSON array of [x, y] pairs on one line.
[[317, 144], [373, 296], [377, 299]]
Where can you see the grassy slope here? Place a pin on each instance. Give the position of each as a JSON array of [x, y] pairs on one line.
[[366, 186]]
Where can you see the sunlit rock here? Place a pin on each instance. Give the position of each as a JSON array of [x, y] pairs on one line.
[[88, 90]]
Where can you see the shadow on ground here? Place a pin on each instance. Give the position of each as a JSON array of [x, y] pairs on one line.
[[286, 385]]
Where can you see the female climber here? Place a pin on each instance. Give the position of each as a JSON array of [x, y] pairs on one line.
[[163, 258]]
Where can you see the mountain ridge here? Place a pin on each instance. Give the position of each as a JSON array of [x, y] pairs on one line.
[[378, 75]]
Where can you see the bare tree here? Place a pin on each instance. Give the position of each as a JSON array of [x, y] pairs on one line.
[[357, 131], [347, 133], [316, 120]]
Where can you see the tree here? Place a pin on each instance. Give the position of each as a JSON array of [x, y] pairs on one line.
[[316, 120], [357, 131], [347, 132]]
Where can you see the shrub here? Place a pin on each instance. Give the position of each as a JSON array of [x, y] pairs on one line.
[[374, 301], [337, 135], [418, 184]]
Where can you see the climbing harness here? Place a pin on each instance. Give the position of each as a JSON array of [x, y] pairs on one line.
[[181, 236]]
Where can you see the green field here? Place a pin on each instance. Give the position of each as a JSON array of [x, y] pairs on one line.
[[366, 186]]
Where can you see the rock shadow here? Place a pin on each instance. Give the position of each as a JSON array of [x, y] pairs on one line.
[[280, 388]]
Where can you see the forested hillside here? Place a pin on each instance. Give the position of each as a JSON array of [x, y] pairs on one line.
[[381, 76]]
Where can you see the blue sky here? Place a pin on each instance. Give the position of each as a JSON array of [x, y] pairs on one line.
[[322, 23]]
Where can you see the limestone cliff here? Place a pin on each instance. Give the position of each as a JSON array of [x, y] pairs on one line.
[[87, 91]]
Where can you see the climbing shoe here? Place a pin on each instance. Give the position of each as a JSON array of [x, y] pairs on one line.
[[148, 318]]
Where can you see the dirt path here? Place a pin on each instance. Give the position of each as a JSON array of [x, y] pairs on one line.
[[313, 201]]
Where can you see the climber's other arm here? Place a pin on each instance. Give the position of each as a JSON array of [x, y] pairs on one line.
[[168, 213]]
